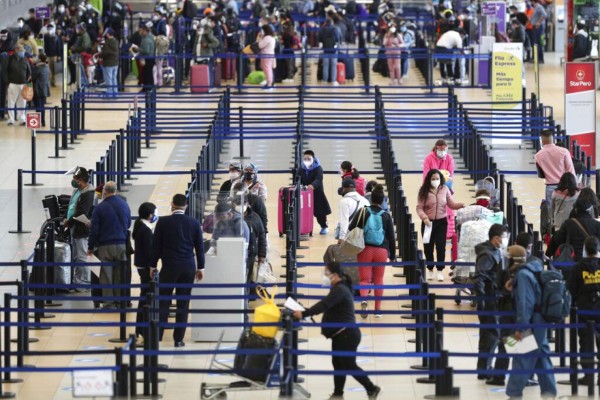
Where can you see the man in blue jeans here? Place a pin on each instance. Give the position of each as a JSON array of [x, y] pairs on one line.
[[538, 21], [330, 36], [110, 62], [527, 294]]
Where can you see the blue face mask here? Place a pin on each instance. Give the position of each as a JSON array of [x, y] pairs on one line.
[[154, 217], [403, 29], [21, 54]]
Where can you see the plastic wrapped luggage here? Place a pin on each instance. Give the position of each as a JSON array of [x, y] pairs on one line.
[[306, 210], [472, 213], [199, 78], [341, 73], [471, 234], [254, 366], [334, 253], [62, 254]]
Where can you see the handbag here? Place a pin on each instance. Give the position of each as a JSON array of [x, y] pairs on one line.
[[355, 239], [268, 313], [255, 48], [27, 92], [248, 50]]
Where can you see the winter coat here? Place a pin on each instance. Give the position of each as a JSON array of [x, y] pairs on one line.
[[434, 207], [488, 266], [432, 161], [313, 175], [40, 75], [584, 283], [572, 233], [110, 53], [360, 183]]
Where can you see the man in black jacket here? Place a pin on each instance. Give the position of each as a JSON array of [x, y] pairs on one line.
[[82, 201], [256, 203], [176, 238], [52, 49], [6, 45], [488, 265], [17, 72], [584, 285]]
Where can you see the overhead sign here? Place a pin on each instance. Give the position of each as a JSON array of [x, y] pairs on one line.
[[580, 105], [507, 90], [93, 383], [42, 12], [34, 120]]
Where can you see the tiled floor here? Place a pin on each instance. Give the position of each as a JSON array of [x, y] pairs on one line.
[[272, 154]]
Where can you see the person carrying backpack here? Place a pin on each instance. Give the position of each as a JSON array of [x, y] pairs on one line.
[[527, 294], [584, 285], [380, 246]]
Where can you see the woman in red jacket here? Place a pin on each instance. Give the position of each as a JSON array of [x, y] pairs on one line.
[[347, 170], [433, 198]]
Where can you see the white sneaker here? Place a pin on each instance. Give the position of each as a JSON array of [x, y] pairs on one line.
[[287, 81], [263, 83], [429, 275], [336, 83], [440, 276]]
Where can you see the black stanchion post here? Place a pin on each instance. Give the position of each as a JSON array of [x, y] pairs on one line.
[[122, 304], [33, 160], [19, 203], [132, 367], [573, 362], [590, 332], [3, 394], [241, 132], [429, 339], [64, 124], [286, 388], [56, 112], [7, 339]]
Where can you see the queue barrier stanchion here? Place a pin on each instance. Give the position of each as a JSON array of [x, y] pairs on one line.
[[38, 278], [430, 339], [133, 366], [122, 303], [55, 117], [590, 332], [7, 340], [33, 160], [19, 204]]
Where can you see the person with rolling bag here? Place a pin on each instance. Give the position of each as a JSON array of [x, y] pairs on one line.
[[311, 176], [306, 209]]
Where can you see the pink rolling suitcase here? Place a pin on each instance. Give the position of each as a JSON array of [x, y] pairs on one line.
[[306, 210], [199, 78]]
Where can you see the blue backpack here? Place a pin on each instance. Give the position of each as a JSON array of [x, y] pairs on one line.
[[373, 230]]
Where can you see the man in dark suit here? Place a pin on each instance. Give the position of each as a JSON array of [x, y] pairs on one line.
[[175, 239]]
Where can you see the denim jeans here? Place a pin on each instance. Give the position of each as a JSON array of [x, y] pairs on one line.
[[539, 359], [110, 77], [329, 66]]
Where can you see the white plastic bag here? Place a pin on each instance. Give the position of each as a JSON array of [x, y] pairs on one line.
[[427, 233], [265, 273]]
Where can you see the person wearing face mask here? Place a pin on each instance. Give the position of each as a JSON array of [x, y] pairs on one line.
[[433, 199], [576, 229], [81, 204], [408, 37], [488, 266], [256, 203], [347, 171], [28, 42], [393, 43], [35, 24], [17, 72], [257, 245], [52, 50], [527, 294], [338, 307], [311, 176], [584, 285], [229, 223], [250, 180], [440, 159], [142, 236], [235, 172], [178, 243]]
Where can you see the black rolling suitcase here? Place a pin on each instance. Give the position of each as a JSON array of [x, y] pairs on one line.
[[349, 63]]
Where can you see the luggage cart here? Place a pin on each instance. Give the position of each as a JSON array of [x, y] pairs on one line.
[[463, 275], [209, 391]]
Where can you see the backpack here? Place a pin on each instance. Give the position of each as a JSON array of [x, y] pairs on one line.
[[373, 229], [564, 253], [556, 298], [161, 42]]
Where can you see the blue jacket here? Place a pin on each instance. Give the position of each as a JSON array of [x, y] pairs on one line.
[[176, 238], [110, 223]]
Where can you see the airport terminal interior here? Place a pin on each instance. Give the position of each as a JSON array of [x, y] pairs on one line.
[[166, 167]]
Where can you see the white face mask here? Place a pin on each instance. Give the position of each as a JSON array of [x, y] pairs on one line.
[[234, 175], [325, 281], [20, 24], [307, 163], [393, 29], [240, 209], [435, 183], [441, 153], [504, 244]]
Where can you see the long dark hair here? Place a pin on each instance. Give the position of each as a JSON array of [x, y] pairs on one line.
[[424, 190], [145, 210], [569, 183], [336, 268]]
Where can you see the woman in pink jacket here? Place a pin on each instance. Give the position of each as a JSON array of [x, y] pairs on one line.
[[440, 159], [266, 43], [433, 198], [393, 44]]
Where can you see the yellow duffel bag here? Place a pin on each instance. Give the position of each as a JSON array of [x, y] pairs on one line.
[[267, 313]]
